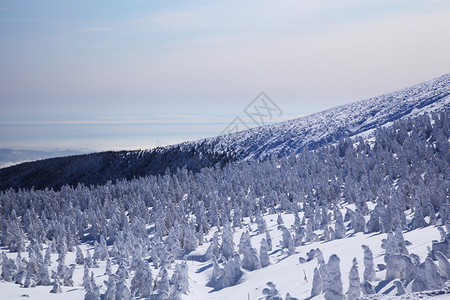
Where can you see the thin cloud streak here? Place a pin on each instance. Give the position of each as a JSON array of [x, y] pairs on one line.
[[145, 120]]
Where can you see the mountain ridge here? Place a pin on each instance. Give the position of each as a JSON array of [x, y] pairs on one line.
[[409, 101]]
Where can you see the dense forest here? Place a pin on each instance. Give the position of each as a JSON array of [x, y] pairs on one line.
[[99, 168], [158, 220]]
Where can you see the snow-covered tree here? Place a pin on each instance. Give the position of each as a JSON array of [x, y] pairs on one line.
[[369, 267], [261, 224], [428, 277], [333, 283], [399, 266], [79, 260], [317, 284], [179, 280], [444, 265], [227, 246], [271, 292], [162, 286], [68, 274], [400, 288], [263, 254], [56, 286], [142, 282], [250, 260], [354, 289], [269, 241]]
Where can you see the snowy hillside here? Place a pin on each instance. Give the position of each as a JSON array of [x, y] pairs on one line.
[[345, 221], [344, 121], [281, 139]]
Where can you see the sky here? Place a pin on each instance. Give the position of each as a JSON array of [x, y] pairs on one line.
[[136, 74]]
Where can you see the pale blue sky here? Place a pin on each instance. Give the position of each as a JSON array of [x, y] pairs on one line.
[[136, 74]]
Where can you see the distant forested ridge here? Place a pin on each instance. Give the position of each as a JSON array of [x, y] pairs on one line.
[[99, 168]]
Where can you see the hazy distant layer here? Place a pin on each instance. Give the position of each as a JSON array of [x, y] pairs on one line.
[[114, 134], [9, 157]]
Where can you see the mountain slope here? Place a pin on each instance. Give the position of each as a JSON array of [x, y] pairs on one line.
[[280, 139], [344, 121]]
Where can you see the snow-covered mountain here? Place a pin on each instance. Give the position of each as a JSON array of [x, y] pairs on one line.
[[281, 139], [329, 126], [355, 219]]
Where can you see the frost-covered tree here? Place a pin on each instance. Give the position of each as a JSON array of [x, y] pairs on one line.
[[280, 220], [237, 217], [213, 249], [399, 266], [339, 228], [79, 260], [250, 260], [317, 283], [101, 250], [142, 282], [9, 268], [172, 244], [162, 286], [108, 270], [232, 272], [88, 259], [110, 293], [68, 274], [400, 288], [43, 277], [20, 276], [269, 241], [401, 244], [286, 237], [30, 281], [443, 246], [428, 277], [299, 234], [216, 273], [244, 242], [56, 286], [271, 292], [390, 244], [261, 224], [367, 288], [369, 266], [444, 265], [263, 254], [189, 238], [122, 291], [418, 219], [442, 232], [354, 289], [47, 257], [358, 222], [227, 246], [333, 283], [180, 280]]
